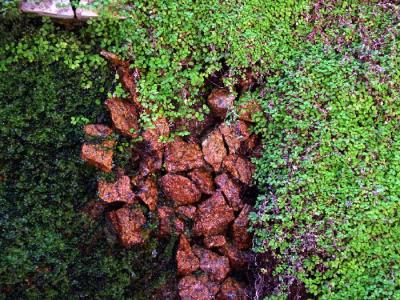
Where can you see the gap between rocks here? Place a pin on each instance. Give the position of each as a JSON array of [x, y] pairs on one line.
[[200, 188]]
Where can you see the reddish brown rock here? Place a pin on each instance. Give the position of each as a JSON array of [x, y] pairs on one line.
[[238, 259], [194, 126], [97, 130], [150, 163], [220, 101], [214, 149], [203, 180], [232, 290], [128, 78], [213, 216], [252, 146], [180, 189], [128, 225], [214, 241], [194, 288], [152, 135], [148, 193], [116, 191], [179, 226], [248, 109], [214, 265], [124, 116], [186, 261], [181, 156], [98, 155], [242, 238], [240, 168], [230, 190], [234, 135], [187, 211], [166, 217]]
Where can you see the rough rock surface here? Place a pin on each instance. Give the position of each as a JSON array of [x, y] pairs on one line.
[[97, 130], [230, 190], [128, 225], [214, 149], [240, 168], [213, 216], [188, 211], [186, 261], [214, 265], [180, 189], [152, 135], [241, 237], [213, 241], [150, 163], [203, 181], [148, 193], [166, 217], [181, 156], [195, 288], [220, 101], [194, 126], [60, 9], [124, 116], [232, 290], [234, 135], [116, 191], [98, 155], [238, 259], [248, 109]]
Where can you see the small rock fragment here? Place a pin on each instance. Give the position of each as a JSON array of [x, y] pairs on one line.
[[180, 189], [186, 261], [60, 9], [117, 191], [203, 180], [166, 216], [230, 190], [214, 265], [98, 155], [148, 193], [214, 149], [241, 237], [181, 156], [240, 168], [213, 216], [124, 116], [220, 101], [238, 259], [234, 135], [128, 224], [248, 109], [232, 290], [152, 135], [214, 241], [97, 130], [188, 211], [193, 288]]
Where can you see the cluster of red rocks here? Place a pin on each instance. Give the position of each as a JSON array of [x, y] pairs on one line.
[[195, 185]]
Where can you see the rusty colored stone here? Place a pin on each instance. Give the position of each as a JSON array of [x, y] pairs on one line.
[[150, 163], [186, 261], [124, 116], [181, 156], [213, 216], [234, 135], [180, 189], [231, 191], [179, 226], [148, 193], [128, 225], [214, 265], [152, 135], [214, 149], [242, 238], [97, 130], [203, 180], [220, 101], [194, 126], [194, 288], [252, 146], [119, 191], [238, 259], [232, 290], [98, 155], [240, 168], [166, 217], [213, 241], [248, 109], [187, 211]]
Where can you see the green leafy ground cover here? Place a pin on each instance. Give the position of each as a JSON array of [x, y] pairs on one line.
[[328, 81]]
